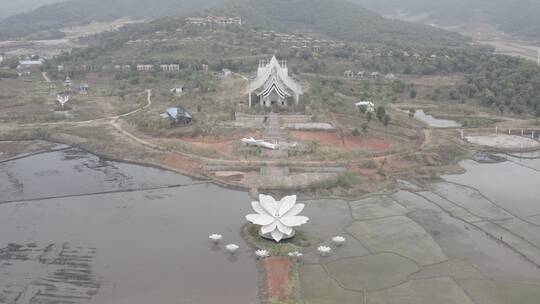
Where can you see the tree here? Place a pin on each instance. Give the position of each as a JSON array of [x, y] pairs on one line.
[[386, 120], [413, 93], [381, 111], [369, 116], [364, 127], [412, 112]]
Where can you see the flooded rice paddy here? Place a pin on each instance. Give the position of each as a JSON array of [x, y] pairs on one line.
[[78, 229]]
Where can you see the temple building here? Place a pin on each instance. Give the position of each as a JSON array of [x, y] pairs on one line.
[[273, 85]]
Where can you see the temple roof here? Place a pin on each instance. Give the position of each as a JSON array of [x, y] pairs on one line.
[[274, 76]]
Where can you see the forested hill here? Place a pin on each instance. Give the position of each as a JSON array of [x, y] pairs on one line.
[[50, 18], [12, 7], [336, 18], [514, 16]]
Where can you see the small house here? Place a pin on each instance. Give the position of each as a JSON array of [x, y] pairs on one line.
[[390, 76], [169, 67], [145, 67], [366, 106], [84, 88], [348, 74], [226, 72], [179, 115], [178, 90], [30, 64]]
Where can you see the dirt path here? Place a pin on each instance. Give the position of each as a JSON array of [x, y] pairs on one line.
[[45, 77], [428, 139], [103, 119]]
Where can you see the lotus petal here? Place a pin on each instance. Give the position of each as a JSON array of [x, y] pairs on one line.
[[268, 203], [269, 228], [259, 209], [284, 229], [260, 219], [295, 210], [294, 221], [277, 235], [286, 204]]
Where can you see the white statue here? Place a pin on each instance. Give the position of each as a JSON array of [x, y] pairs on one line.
[[62, 100], [277, 218]]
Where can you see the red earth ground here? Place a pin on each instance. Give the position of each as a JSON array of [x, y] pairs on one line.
[[223, 144], [181, 162], [392, 164], [332, 139], [277, 277]]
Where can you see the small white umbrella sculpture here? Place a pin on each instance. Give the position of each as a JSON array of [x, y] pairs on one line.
[[277, 218], [261, 254], [339, 241], [232, 248], [215, 238], [295, 255], [324, 251]]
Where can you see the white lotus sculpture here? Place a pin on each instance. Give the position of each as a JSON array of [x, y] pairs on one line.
[[277, 218]]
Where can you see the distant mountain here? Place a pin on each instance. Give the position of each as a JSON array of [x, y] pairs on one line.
[[11, 7], [77, 12], [336, 18], [519, 17]]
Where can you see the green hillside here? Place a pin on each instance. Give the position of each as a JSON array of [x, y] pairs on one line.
[[75, 12], [336, 18]]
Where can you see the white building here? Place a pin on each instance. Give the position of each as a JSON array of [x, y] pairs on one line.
[[30, 64], [226, 72], [178, 90], [210, 20], [366, 106], [348, 74], [273, 85], [145, 67], [169, 67], [390, 76]]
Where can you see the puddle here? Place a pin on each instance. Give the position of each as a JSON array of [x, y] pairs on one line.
[[435, 122]]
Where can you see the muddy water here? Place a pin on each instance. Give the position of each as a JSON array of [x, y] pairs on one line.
[[512, 185], [117, 233], [435, 122]]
